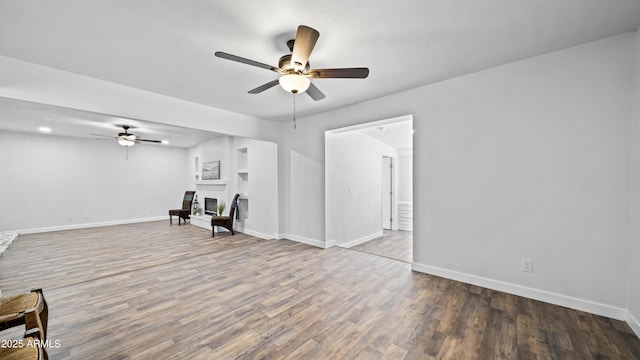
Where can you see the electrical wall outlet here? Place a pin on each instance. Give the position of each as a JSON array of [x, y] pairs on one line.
[[527, 265]]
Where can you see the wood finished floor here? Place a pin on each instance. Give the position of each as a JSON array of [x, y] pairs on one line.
[[394, 244], [154, 291]]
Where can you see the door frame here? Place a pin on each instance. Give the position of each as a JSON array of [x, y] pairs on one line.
[[334, 200], [393, 205]]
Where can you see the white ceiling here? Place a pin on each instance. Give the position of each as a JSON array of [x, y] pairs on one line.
[[167, 47], [23, 116]]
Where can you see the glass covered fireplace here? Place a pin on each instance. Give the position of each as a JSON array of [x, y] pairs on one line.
[[210, 206]]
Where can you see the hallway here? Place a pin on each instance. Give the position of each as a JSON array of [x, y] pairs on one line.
[[394, 244]]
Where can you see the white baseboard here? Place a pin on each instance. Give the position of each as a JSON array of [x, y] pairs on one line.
[[633, 323], [363, 239], [304, 240], [531, 293], [88, 225], [259, 234]]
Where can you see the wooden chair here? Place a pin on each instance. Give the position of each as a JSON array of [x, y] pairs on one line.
[[186, 208], [32, 348], [225, 221], [28, 309]]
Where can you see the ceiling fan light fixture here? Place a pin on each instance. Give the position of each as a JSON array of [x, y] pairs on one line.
[[295, 69], [294, 83], [127, 140]]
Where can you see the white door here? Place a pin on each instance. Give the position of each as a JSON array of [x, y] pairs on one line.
[[387, 192]]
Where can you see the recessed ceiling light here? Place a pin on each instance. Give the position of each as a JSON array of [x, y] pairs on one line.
[[44, 129], [166, 142]]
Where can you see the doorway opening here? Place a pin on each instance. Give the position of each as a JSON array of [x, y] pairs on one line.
[[369, 187]]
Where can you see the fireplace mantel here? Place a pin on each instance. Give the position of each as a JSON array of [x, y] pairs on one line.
[[211, 184]]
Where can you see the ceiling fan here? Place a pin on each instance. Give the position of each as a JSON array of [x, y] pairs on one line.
[[126, 138], [295, 69]]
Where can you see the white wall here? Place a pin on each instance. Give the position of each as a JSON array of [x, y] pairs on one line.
[[633, 302], [302, 183], [54, 182], [262, 193], [353, 187], [217, 149], [405, 189], [532, 162], [405, 177], [529, 159]]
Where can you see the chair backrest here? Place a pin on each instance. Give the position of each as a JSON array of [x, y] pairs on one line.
[[188, 200], [234, 206]]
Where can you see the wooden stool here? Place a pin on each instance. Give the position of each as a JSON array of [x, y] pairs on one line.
[[26, 349], [29, 309]]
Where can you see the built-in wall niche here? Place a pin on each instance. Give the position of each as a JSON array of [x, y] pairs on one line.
[[243, 208], [196, 161], [243, 183], [242, 159], [243, 172]]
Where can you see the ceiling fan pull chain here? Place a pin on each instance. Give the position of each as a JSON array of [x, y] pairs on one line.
[[294, 111]]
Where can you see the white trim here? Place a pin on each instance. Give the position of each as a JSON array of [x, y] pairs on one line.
[[6, 240], [88, 225], [536, 294], [370, 124], [633, 323], [304, 240], [259, 234], [363, 239], [394, 189], [201, 221], [405, 215]]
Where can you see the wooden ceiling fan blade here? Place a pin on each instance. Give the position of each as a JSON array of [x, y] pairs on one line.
[[306, 38], [151, 141], [315, 93], [264, 87], [345, 73], [224, 55]]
